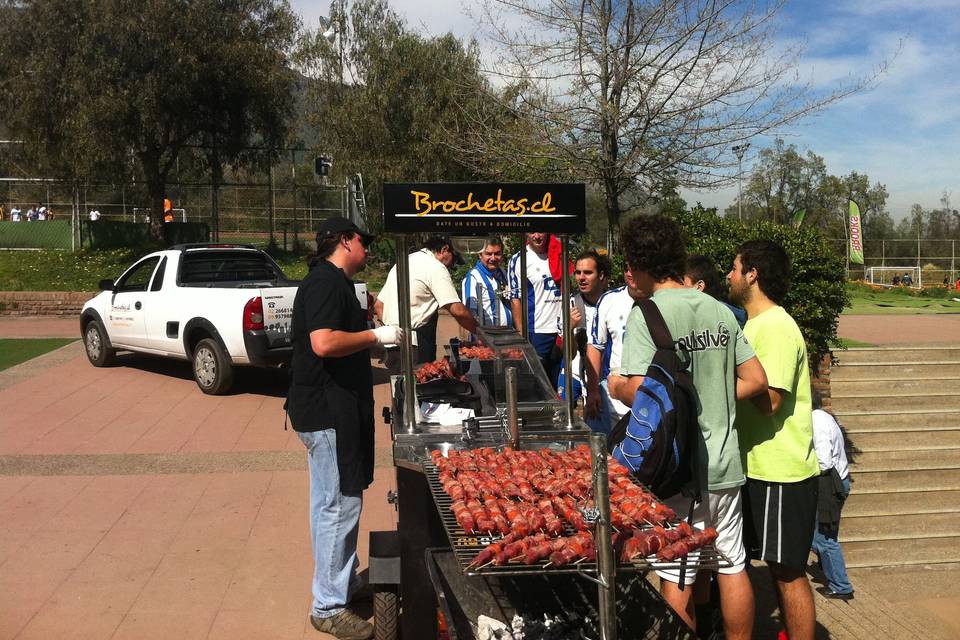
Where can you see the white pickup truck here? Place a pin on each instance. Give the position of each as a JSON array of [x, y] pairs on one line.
[[219, 306]]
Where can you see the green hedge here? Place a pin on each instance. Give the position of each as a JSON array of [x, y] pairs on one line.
[[48, 234], [104, 234]]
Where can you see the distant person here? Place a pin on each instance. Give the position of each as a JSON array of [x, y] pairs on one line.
[[592, 273], [543, 300], [31, 214], [167, 210], [602, 411], [907, 280], [94, 215], [42, 214], [702, 274], [484, 289], [946, 281], [15, 216], [958, 285], [896, 280], [834, 489], [431, 289]]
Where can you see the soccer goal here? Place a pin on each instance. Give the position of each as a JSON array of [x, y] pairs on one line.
[[895, 276]]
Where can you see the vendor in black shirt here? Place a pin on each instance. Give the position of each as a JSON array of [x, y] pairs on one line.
[[330, 404]]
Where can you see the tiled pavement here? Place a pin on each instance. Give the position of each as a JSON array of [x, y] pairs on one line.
[[133, 506]]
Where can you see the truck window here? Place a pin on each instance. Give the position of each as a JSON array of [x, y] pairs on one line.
[[204, 267], [158, 276], [138, 277]]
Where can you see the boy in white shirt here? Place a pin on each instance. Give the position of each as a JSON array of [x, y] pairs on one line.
[[543, 300]]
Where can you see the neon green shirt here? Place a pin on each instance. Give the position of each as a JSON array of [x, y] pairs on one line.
[[779, 448]]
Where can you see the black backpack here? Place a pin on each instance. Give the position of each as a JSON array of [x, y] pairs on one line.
[[658, 439]]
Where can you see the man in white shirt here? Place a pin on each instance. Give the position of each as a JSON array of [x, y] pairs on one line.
[[431, 289], [15, 214], [831, 455], [592, 273], [42, 214], [543, 300], [485, 285], [94, 215], [603, 411]]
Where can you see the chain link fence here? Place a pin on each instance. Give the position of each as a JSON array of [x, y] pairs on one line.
[[937, 260], [256, 213]]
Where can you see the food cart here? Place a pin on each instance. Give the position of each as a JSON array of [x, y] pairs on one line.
[[498, 400]]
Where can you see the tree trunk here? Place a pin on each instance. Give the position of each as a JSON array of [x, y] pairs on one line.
[[613, 217], [156, 187]]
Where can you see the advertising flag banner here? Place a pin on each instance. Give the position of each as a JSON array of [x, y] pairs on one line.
[[798, 217], [856, 235]]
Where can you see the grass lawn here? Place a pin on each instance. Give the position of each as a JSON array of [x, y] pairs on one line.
[[82, 271], [17, 350], [867, 300], [849, 343]]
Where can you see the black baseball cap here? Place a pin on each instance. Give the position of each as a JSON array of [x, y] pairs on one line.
[[435, 242], [338, 224]]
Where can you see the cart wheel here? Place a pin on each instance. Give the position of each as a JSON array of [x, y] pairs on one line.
[[385, 613]]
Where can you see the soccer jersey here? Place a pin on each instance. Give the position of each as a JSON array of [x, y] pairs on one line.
[[717, 347], [589, 313], [606, 334], [482, 291], [779, 448], [543, 293]]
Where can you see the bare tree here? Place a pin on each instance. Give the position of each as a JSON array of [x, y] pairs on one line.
[[626, 94]]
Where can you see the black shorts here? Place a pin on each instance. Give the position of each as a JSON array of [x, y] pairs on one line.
[[779, 519]]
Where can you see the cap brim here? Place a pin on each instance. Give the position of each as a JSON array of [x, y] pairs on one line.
[[366, 238]]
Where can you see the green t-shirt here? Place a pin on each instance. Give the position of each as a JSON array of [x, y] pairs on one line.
[[717, 345], [779, 448]]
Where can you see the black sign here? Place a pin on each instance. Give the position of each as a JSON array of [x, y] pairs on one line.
[[470, 208]]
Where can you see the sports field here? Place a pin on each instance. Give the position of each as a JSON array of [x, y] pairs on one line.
[[867, 300]]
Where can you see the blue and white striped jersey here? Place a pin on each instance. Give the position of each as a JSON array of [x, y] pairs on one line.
[[485, 288], [609, 326], [543, 293]]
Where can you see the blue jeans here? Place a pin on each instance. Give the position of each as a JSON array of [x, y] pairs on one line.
[[605, 421], [827, 547], [334, 526]]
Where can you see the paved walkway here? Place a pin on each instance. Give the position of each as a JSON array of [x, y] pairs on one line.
[[134, 506]]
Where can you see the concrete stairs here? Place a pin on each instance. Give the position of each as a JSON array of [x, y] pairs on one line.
[[900, 407]]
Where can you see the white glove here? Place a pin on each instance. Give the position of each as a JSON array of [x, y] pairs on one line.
[[388, 334]]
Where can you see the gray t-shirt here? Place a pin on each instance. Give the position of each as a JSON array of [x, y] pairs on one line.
[[717, 345]]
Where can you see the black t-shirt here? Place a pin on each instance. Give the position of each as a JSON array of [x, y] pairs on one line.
[[333, 393]]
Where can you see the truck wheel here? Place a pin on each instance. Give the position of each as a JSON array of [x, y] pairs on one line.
[[99, 351], [385, 614], [212, 369]]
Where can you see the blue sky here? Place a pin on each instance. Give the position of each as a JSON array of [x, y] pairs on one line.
[[904, 133]]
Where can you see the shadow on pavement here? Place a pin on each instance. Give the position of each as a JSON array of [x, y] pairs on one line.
[[248, 380]]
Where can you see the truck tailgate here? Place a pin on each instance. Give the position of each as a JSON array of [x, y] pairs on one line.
[[278, 314]]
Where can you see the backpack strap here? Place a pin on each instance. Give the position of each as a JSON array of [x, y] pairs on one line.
[[656, 324]]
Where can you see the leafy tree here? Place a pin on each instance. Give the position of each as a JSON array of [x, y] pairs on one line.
[[146, 79], [387, 102], [624, 94]]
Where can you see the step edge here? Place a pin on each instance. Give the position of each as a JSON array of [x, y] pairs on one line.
[[907, 412]]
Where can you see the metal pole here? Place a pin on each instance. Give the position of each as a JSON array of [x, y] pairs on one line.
[[273, 201], [293, 169], [406, 348], [567, 331], [739, 150], [524, 287], [607, 568], [513, 419]]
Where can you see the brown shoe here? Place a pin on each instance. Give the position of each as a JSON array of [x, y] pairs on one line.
[[345, 625]]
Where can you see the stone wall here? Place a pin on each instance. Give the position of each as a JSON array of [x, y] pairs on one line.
[[42, 303]]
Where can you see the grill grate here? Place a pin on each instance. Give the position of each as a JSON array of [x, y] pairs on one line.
[[466, 547]]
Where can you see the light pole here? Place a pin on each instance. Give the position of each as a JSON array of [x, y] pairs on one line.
[[739, 150]]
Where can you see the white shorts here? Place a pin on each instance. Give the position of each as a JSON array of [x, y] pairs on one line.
[[723, 511]]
